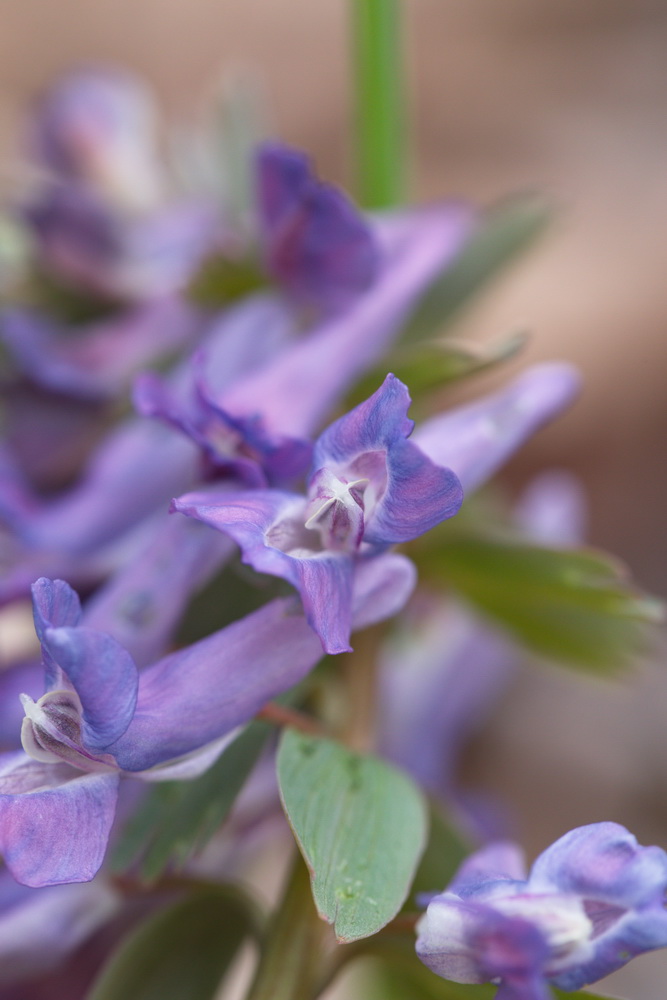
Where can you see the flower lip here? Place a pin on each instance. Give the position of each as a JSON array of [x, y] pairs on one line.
[[51, 732]]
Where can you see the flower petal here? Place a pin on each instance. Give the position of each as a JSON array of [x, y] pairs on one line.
[[317, 244], [260, 521], [134, 473], [439, 677], [98, 360], [54, 604], [417, 494], [59, 833], [602, 861], [200, 693], [382, 587], [103, 675], [296, 391], [475, 440], [39, 929], [141, 605], [553, 510]]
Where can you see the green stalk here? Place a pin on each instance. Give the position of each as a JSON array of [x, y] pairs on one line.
[[381, 145], [296, 954]]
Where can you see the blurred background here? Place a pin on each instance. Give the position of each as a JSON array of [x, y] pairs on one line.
[[568, 99]]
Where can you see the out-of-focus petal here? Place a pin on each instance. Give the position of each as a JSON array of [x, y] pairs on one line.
[[39, 929], [133, 474], [296, 391], [97, 361], [382, 587], [475, 440], [439, 677], [315, 242], [98, 126], [553, 510]]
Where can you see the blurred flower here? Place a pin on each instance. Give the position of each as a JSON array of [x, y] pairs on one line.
[[314, 242], [38, 928], [591, 902]]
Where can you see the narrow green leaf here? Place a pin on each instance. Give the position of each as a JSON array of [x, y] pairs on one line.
[[361, 826], [438, 363], [574, 605], [508, 230], [178, 818], [182, 952]]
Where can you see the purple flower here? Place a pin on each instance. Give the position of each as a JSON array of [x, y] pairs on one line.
[[99, 127], [100, 717], [476, 439], [88, 244], [98, 360], [591, 902], [295, 390], [370, 488], [315, 243]]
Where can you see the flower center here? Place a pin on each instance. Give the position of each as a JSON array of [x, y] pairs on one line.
[[51, 731], [336, 510], [561, 919]]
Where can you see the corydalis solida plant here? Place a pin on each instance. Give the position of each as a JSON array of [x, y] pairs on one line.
[[267, 373]]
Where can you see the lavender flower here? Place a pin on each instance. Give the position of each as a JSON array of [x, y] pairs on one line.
[[315, 243], [591, 902], [370, 488], [99, 717]]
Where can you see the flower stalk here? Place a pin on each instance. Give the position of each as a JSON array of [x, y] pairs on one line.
[[380, 141], [293, 962]]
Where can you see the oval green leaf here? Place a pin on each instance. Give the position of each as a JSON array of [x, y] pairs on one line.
[[184, 951], [361, 826]]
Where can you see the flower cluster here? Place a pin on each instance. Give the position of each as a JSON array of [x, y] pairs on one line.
[[183, 395]]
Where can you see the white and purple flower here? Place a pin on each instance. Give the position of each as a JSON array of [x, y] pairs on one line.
[[591, 902], [370, 488]]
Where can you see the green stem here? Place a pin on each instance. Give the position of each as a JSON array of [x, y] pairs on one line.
[[380, 119], [296, 953]]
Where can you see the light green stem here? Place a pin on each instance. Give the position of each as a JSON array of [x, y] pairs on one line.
[[295, 958], [381, 145]]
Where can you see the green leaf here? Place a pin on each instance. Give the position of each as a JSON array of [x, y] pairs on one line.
[[178, 818], [222, 281], [507, 231], [445, 851], [404, 977], [438, 363], [182, 952], [574, 605], [361, 826]]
